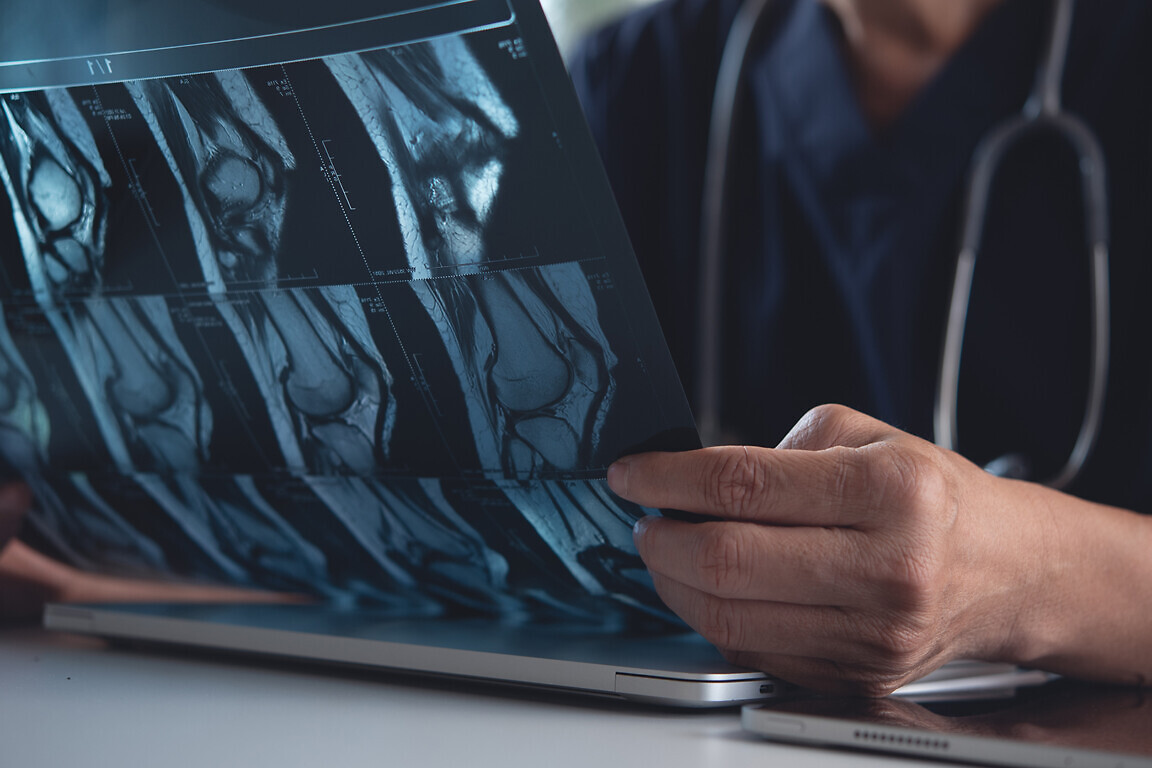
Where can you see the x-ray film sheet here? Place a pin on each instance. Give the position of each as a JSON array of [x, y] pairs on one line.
[[359, 324]]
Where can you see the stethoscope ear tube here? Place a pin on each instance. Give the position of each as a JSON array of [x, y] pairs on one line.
[[751, 19]]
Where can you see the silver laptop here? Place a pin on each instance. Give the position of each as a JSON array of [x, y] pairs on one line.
[[333, 299]]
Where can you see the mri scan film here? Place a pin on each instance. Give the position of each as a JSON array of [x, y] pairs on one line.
[[355, 322]]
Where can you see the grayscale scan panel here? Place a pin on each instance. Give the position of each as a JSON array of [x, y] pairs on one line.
[[344, 310]]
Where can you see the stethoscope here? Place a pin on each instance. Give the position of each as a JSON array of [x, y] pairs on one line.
[[1042, 111]]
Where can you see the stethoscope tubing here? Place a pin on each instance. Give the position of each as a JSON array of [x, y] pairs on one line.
[[750, 20], [1042, 111]]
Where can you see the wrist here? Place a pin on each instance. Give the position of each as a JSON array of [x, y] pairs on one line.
[[1085, 600], [1005, 557]]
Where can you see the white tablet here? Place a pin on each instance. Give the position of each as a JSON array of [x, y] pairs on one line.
[[1061, 724]]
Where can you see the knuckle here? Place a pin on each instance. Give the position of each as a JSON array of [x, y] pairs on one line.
[[912, 481], [875, 685], [722, 561], [851, 678], [912, 583], [871, 681], [904, 645], [722, 624], [907, 582], [739, 482], [916, 507], [888, 649], [848, 476], [820, 425], [828, 416], [895, 645]]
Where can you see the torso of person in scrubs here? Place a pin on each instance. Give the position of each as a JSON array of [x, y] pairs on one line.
[[843, 236]]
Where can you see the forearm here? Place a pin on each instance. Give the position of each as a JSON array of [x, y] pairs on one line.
[[1090, 608], [28, 580]]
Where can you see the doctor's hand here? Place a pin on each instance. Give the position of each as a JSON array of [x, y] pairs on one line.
[[855, 558]]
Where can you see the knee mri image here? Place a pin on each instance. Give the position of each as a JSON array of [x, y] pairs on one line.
[[336, 327]]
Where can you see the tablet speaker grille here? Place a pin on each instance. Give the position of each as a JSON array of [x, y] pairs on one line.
[[926, 743]]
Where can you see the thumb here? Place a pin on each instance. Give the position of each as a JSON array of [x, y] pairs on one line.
[[15, 498]]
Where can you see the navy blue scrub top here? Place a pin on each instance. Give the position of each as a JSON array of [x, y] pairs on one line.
[[843, 238]]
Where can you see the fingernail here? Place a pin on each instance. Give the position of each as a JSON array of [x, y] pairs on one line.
[[641, 526], [618, 477]]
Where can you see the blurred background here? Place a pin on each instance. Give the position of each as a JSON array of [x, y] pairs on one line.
[[572, 19]]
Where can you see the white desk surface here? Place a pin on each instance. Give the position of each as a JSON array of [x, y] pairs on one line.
[[73, 701]]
